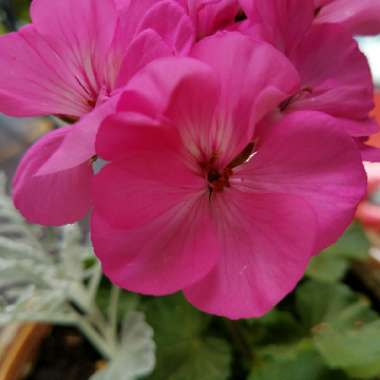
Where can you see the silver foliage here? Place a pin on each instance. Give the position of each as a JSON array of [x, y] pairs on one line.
[[136, 356], [51, 275]]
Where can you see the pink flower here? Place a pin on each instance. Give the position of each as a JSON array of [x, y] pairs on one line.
[[72, 61], [203, 201], [210, 16], [342, 86], [358, 16]]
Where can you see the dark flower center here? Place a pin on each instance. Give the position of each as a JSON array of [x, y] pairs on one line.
[[217, 179]]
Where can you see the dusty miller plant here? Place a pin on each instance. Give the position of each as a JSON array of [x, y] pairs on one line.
[[51, 275]]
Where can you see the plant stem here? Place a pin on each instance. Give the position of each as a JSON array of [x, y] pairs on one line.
[[113, 313], [97, 340], [239, 340]]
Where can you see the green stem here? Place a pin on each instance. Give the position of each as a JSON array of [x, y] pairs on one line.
[[238, 338], [113, 313]]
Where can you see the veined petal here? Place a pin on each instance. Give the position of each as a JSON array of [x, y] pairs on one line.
[[143, 186], [53, 199], [341, 87], [266, 242], [192, 112], [284, 22], [255, 78], [171, 252], [35, 80], [82, 38], [319, 162]]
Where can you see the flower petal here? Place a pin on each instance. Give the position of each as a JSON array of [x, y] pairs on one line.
[[162, 257], [283, 22], [359, 17], [255, 77], [34, 79], [369, 153], [152, 88], [82, 38], [169, 20], [126, 132], [209, 16], [266, 243], [318, 162], [145, 48], [55, 199], [78, 146], [170, 31], [341, 87], [143, 186]]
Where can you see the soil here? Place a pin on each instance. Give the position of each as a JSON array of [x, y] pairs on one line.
[[64, 355]]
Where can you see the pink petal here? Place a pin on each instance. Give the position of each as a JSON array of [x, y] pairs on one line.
[[146, 184], [209, 16], [131, 13], [358, 16], [255, 77], [124, 132], [360, 128], [192, 111], [145, 48], [171, 22], [164, 17], [162, 257], [267, 241], [369, 153], [283, 22], [320, 3], [82, 37], [149, 93], [318, 162], [78, 146], [35, 80], [55, 199], [151, 89], [341, 87]]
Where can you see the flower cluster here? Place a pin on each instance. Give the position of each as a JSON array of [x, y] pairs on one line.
[[230, 137]]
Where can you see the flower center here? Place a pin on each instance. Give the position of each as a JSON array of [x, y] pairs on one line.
[[218, 181]]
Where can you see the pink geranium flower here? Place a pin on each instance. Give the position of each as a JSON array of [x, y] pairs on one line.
[[342, 86], [205, 202], [71, 62], [210, 16]]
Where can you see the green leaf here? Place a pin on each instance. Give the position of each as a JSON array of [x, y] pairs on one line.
[[346, 332], [332, 264], [183, 350], [209, 359], [293, 362], [319, 303], [278, 326], [357, 350], [327, 267]]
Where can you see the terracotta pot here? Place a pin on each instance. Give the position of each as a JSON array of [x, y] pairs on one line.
[[18, 348]]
